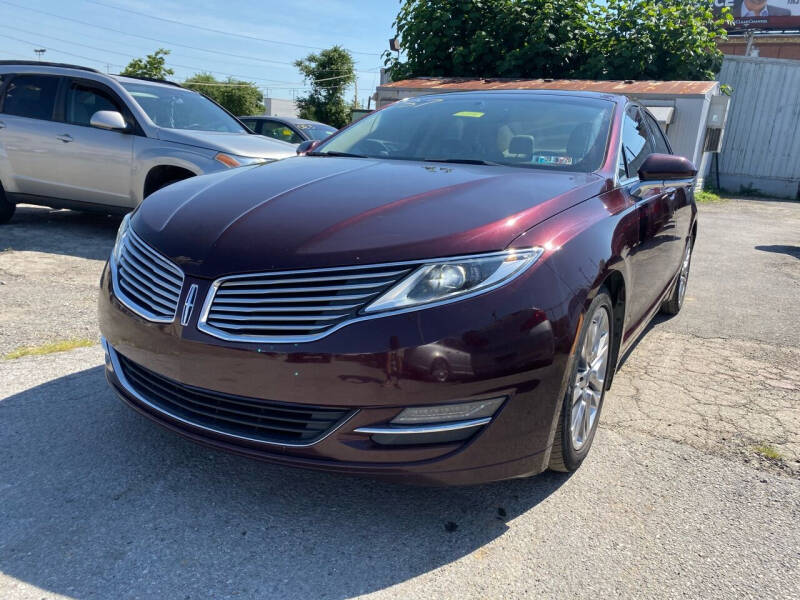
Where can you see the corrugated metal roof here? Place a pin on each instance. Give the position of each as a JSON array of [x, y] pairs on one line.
[[637, 88]]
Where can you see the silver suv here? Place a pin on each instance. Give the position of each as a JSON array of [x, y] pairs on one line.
[[73, 137]]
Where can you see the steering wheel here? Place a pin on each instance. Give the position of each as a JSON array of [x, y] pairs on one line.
[[380, 146]]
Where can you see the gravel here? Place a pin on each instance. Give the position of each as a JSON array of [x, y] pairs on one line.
[[673, 502]]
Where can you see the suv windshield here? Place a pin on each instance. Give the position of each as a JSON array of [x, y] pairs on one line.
[[176, 108], [550, 132]]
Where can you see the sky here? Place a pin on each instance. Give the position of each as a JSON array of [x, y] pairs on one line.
[[259, 40]]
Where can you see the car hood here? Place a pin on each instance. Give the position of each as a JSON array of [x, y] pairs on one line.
[[241, 144], [323, 211]]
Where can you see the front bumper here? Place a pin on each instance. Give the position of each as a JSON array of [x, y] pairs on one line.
[[465, 351]]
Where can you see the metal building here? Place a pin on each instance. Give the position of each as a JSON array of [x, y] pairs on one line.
[[761, 147]]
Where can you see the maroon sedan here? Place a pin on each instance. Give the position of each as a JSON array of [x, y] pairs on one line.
[[439, 293]]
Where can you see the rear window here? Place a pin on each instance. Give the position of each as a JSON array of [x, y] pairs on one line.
[[31, 96]]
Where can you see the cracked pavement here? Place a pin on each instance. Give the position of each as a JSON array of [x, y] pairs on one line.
[[673, 501]]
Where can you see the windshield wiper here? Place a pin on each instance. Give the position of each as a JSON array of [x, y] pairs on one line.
[[334, 153], [463, 161]]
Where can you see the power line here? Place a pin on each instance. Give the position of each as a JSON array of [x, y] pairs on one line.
[[202, 28], [128, 55], [104, 62], [144, 37]]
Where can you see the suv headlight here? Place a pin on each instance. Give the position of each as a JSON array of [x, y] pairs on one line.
[[232, 161], [122, 232], [451, 279]]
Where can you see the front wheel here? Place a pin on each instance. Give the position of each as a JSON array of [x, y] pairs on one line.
[[7, 207], [580, 410]]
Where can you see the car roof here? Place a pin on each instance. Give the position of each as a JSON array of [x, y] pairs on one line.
[[52, 68]]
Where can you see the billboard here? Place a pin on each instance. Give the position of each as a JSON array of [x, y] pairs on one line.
[[762, 14]]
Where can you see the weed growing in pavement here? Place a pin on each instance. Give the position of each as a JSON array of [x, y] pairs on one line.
[[49, 348]]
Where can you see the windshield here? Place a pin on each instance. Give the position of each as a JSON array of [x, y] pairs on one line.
[[316, 131], [549, 132], [176, 108]]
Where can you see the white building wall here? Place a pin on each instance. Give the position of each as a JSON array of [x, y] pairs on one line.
[[278, 107]]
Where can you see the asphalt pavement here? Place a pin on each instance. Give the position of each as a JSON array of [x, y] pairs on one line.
[[673, 502]]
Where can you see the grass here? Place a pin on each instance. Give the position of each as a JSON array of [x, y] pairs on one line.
[[49, 348], [708, 197], [768, 451]]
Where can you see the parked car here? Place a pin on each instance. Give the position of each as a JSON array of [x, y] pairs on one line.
[[73, 137], [288, 129], [525, 238]]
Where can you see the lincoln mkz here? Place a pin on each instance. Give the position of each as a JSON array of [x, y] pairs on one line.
[[439, 293]]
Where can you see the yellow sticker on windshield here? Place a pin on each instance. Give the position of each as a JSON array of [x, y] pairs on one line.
[[468, 113]]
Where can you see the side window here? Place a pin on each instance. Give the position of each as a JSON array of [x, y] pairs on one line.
[[280, 131], [32, 96], [85, 100], [251, 124], [636, 144], [658, 136]]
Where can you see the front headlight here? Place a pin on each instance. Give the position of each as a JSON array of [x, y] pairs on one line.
[[451, 279], [232, 161], [121, 233]]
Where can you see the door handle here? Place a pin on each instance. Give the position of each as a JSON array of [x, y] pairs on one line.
[[2, 125], [66, 138]]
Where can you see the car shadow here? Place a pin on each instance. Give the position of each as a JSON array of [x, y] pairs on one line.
[[654, 322], [96, 501], [69, 232], [781, 249]]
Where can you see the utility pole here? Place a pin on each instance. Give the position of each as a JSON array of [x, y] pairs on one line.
[[355, 94], [39, 52]]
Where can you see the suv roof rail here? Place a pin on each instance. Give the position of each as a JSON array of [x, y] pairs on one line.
[[38, 63], [153, 79]]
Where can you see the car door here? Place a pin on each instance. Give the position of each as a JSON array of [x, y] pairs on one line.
[[280, 131], [94, 165], [651, 257], [677, 203], [28, 134]]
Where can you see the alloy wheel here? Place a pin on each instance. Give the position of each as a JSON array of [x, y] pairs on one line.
[[587, 388], [683, 278]]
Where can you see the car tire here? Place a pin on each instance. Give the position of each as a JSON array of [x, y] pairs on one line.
[[673, 304], [7, 207], [440, 370], [163, 184], [583, 400]]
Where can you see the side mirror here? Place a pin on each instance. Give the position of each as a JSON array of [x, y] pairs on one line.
[[307, 146], [108, 119], [663, 170]]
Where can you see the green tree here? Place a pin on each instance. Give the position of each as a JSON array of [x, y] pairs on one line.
[[239, 97], [152, 65], [655, 39], [592, 39], [502, 38], [329, 73]]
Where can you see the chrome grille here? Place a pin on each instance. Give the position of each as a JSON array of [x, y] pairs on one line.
[[146, 282], [293, 305]]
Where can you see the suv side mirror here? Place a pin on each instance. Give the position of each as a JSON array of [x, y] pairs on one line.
[[108, 119], [307, 146], [663, 170]]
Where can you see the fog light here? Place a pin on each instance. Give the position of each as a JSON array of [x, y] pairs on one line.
[[446, 413]]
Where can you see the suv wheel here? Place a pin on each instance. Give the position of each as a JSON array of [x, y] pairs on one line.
[[7, 207]]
